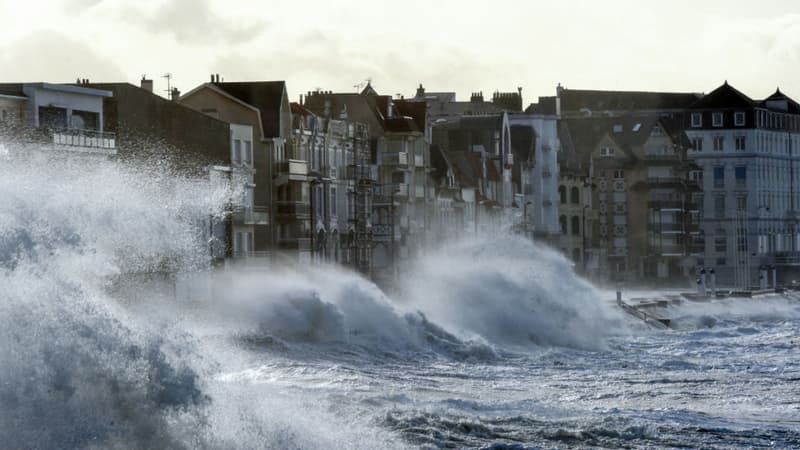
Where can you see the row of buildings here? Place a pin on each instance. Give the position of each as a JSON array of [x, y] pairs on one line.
[[629, 185]]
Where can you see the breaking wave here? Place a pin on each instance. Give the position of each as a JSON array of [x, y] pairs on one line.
[[86, 366]]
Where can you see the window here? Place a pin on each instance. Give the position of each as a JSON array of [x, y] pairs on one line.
[[563, 222], [740, 143], [720, 241], [719, 206], [237, 151], [575, 195], [741, 203], [738, 118], [719, 142], [333, 201], [576, 225], [741, 176], [617, 128], [247, 152], [619, 174], [606, 151], [716, 119], [697, 144], [719, 177], [697, 120], [562, 194]]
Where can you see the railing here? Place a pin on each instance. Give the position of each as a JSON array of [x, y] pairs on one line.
[[258, 215], [250, 254], [299, 243], [291, 167], [85, 139], [666, 227], [671, 204], [292, 208], [395, 159]]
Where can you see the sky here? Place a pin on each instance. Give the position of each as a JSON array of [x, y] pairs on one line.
[[462, 47]]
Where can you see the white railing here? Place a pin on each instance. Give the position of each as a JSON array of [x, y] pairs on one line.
[[85, 140]]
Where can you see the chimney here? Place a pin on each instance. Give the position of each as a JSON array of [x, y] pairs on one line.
[[212, 77], [477, 97], [174, 94], [146, 84]]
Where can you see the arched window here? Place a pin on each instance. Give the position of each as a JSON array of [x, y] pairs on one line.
[[562, 193], [563, 222], [576, 225], [575, 195]]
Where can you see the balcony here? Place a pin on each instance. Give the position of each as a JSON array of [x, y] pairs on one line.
[[251, 215], [367, 172], [86, 141], [290, 170], [666, 228], [293, 209], [395, 159], [671, 205], [298, 244]]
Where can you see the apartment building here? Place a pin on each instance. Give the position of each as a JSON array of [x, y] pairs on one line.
[[747, 153]]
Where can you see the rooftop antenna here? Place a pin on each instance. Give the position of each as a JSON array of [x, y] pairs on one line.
[[168, 76]]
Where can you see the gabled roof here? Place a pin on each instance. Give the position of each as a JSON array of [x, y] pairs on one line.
[[791, 106], [546, 105], [725, 96], [266, 96]]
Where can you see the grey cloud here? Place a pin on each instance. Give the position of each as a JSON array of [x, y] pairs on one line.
[[51, 56], [317, 59], [192, 22]]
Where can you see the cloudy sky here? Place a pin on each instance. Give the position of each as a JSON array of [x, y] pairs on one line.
[[460, 46]]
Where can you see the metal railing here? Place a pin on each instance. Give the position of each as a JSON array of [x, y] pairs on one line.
[[86, 139], [257, 215], [292, 208], [395, 159]]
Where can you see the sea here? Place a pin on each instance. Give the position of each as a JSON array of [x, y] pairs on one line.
[[117, 332]]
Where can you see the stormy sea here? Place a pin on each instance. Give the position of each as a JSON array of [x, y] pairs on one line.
[[493, 343]]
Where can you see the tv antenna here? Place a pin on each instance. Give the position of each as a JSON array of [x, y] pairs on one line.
[[168, 76]]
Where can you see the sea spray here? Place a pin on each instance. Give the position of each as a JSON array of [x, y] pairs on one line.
[[510, 292]]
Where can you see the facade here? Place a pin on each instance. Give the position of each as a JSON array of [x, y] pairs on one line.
[[259, 110], [337, 198], [57, 117], [747, 152], [402, 197]]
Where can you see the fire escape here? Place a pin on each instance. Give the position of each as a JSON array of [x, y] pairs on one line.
[[361, 202]]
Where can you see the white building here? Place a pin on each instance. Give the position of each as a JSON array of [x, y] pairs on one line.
[[748, 153]]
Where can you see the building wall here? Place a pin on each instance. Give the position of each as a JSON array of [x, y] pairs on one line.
[[213, 103], [768, 192]]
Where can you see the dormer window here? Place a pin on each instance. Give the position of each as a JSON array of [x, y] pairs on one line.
[[606, 151], [697, 120], [738, 118], [716, 119]]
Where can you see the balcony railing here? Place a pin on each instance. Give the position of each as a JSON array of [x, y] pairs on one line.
[[666, 227], [671, 204], [85, 140], [395, 159], [292, 208], [298, 243], [293, 168], [251, 216]]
